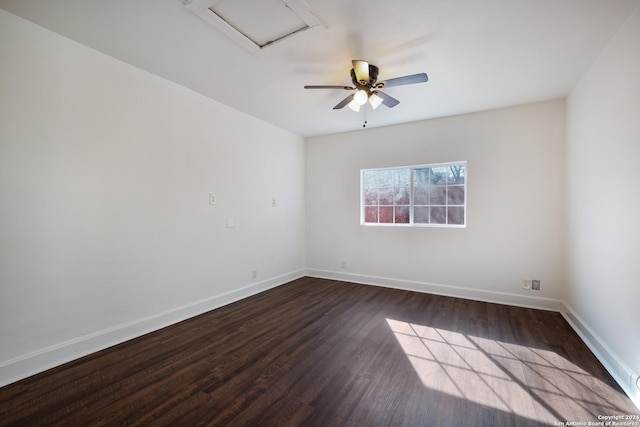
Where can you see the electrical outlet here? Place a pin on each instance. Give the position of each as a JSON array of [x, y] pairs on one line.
[[343, 265], [535, 285], [254, 274], [526, 283], [212, 199]]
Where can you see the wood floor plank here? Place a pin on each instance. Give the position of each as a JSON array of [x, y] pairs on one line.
[[327, 353]]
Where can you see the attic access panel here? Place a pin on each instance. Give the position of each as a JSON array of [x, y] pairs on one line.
[[256, 24]]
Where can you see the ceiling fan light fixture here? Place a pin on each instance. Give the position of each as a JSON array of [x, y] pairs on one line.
[[354, 105], [375, 100], [360, 97]]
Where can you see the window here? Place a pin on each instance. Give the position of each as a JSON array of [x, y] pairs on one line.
[[427, 195]]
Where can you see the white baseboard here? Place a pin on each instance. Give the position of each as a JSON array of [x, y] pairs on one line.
[[445, 290], [38, 361], [620, 372]]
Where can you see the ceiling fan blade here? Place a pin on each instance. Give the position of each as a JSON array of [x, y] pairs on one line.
[[328, 87], [406, 80], [361, 68], [387, 100], [344, 102]]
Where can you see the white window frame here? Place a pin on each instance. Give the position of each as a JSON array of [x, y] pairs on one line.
[[411, 223]]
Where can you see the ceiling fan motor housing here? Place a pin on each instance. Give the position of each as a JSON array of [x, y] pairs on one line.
[[373, 77]]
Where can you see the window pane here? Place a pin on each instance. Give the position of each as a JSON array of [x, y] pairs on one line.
[[421, 196], [455, 195], [421, 215], [385, 179], [386, 214], [378, 178], [369, 179], [439, 215], [371, 214], [402, 214], [402, 196], [386, 196], [370, 197], [403, 177], [421, 177], [439, 175], [438, 195], [456, 174], [455, 215]]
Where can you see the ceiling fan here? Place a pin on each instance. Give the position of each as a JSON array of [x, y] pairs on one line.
[[364, 77]]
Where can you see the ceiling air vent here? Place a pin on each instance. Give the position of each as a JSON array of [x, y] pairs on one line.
[[256, 24]]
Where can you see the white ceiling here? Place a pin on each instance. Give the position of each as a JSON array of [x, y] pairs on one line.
[[479, 54]]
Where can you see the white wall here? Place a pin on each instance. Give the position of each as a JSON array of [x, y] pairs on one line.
[[603, 189], [515, 208], [106, 230]]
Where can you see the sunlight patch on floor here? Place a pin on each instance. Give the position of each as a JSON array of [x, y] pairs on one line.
[[529, 382]]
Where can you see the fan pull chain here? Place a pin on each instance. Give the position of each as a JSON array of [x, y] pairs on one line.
[[364, 113]]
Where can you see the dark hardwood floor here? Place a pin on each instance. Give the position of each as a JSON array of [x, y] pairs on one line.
[[317, 352]]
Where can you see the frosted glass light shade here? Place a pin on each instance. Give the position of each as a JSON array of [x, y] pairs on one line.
[[360, 97], [375, 100]]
